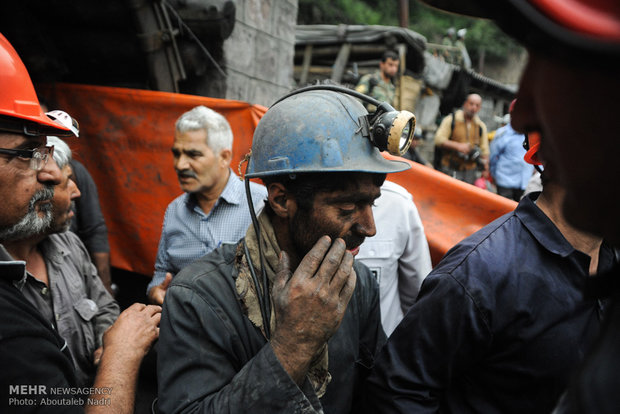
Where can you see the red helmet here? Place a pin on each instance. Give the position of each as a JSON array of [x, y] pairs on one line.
[[20, 111]]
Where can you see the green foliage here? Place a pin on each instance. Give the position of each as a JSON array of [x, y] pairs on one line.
[[481, 34], [348, 12]]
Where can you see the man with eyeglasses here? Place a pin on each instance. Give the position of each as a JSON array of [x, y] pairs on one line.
[[62, 283], [37, 369]]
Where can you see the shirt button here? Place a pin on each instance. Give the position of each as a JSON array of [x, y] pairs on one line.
[[44, 291]]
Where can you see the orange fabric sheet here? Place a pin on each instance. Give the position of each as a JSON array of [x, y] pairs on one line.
[[125, 141], [450, 209]]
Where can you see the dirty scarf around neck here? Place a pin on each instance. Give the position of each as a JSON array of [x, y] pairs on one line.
[[318, 374]]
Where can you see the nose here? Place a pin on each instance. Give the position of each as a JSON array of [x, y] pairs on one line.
[[181, 163], [74, 191], [365, 225], [50, 173]]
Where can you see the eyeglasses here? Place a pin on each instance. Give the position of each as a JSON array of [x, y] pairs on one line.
[[38, 157]]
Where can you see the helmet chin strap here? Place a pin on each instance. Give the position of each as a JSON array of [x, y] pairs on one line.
[[264, 301], [532, 148]]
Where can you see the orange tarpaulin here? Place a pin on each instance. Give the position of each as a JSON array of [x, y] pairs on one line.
[[450, 209], [125, 141]]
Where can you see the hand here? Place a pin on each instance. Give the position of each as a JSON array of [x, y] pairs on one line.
[[310, 304], [463, 147], [97, 355], [133, 333], [158, 293]]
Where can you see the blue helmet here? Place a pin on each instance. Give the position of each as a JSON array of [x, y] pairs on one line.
[[316, 131]]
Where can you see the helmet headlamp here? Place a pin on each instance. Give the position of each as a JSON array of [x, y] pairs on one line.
[[390, 130]]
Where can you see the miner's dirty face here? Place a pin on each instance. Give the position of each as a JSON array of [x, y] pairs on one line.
[[345, 214]]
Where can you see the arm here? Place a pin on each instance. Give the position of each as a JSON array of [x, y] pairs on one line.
[[125, 345], [156, 289], [211, 359], [102, 263], [90, 224], [207, 340], [484, 141], [108, 309], [440, 338], [310, 304], [496, 148], [415, 262]]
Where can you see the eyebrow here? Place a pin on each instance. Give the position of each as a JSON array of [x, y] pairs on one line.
[[29, 145], [186, 151]]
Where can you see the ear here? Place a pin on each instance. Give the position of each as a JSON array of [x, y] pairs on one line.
[[226, 157], [281, 202]]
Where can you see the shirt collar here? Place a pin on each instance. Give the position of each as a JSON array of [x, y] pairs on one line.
[[541, 227], [232, 193], [234, 190], [51, 251], [11, 269]]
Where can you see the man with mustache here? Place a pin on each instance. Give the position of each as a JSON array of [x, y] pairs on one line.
[[213, 209], [285, 321], [34, 358], [62, 282]]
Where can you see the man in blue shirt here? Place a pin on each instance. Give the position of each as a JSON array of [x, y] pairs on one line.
[[508, 168], [502, 321], [213, 210]]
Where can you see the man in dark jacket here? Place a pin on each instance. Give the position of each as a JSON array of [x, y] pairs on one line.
[[569, 92], [501, 322], [303, 346], [36, 363]]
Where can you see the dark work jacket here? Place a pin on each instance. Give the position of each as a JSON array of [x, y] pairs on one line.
[[498, 326], [212, 359], [31, 351], [595, 388]]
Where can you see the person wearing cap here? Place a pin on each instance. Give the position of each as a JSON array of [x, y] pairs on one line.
[[448, 40], [501, 322], [212, 211], [507, 167], [61, 280], [305, 344], [380, 84], [459, 43], [33, 356], [569, 92]]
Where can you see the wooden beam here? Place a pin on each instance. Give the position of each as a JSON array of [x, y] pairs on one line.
[[341, 62], [303, 79]]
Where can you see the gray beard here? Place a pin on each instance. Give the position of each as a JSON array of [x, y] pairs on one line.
[[32, 224], [62, 227]]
